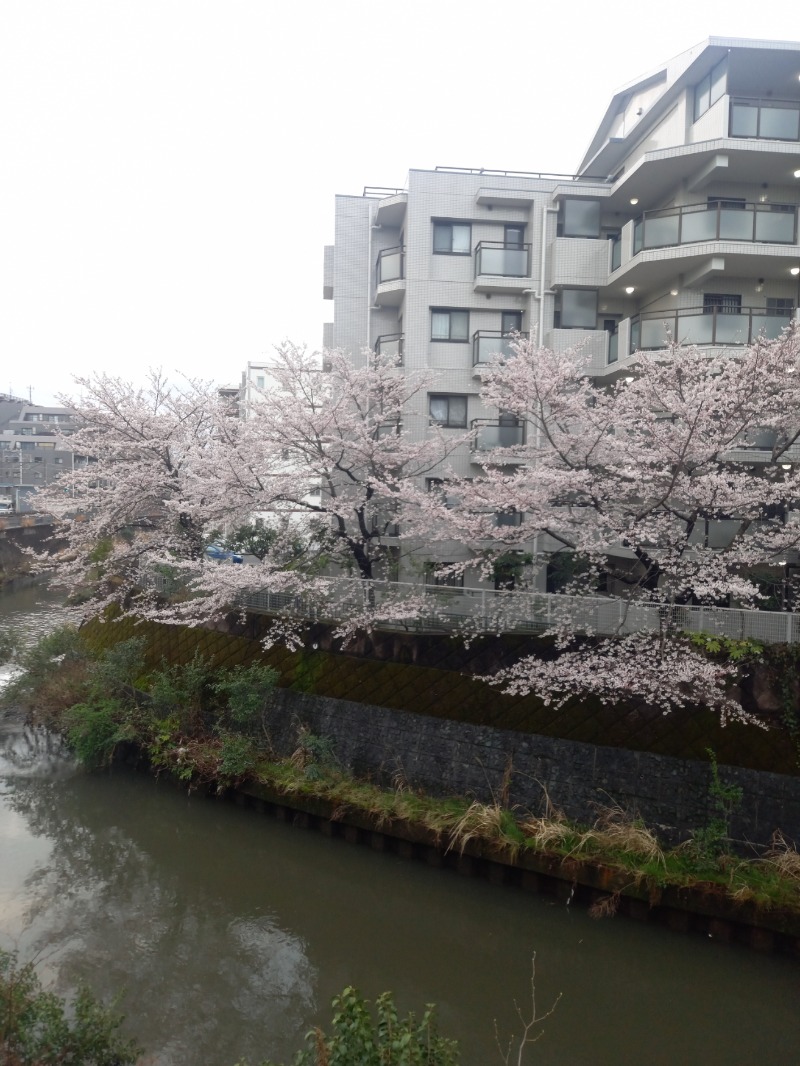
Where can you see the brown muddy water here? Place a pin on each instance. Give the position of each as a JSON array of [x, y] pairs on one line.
[[229, 932]]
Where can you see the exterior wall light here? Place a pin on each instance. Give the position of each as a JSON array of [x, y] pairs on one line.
[[634, 200], [786, 466], [797, 173], [795, 271], [629, 289], [673, 292]]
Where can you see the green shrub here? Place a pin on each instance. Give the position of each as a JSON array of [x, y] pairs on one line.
[[180, 689], [246, 689], [35, 1029], [95, 729], [119, 667], [50, 659], [237, 757], [358, 1040]]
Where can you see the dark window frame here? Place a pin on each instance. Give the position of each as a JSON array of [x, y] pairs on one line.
[[449, 422], [450, 339], [715, 88], [444, 224]]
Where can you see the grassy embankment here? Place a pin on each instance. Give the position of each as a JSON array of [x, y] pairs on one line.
[[210, 729]]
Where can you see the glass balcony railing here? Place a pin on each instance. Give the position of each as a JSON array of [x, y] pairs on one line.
[[507, 518], [613, 347], [390, 344], [487, 343], [492, 435], [773, 120], [390, 265], [725, 220], [616, 252], [696, 325], [502, 260]]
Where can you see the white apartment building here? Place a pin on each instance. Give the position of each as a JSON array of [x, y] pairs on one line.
[[32, 453], [682, 219]]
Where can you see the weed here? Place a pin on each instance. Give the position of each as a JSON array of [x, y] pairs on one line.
[[95, 729], [708, 842], [247, 690], [36, 1028]]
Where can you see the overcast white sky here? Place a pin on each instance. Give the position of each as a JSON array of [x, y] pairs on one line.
[[168, 167]]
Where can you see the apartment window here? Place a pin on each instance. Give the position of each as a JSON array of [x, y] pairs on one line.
[[780, 305], [510, 322], [260, 381], [578, 309], [435, 574], [579, 218], [710, 89], [449, 325], [513, 236], [452, 238], [725, 303], [448, 410]]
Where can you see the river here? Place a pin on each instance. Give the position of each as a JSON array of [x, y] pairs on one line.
[[229, 932]]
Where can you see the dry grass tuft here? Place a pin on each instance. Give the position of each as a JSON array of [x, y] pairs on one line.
[[619, 831], [784, 858], [482, 821]]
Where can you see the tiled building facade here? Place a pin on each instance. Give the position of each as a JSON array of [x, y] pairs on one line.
[[682, 220]]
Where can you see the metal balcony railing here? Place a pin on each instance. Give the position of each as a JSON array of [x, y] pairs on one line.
[[502, 259], [697, 325], [488, 342], [390, 265], [725, 220], [774, 120]]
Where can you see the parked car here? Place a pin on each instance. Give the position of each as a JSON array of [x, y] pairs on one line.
[[222, 555]]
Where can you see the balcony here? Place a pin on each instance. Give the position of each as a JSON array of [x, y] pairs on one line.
[[490, 436], [390, 344], [390, 272], [723, 221], [507, 518], [771, 120], [487, 343], [696, 325], [501, 266]]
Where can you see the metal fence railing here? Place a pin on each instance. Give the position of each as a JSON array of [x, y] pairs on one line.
[[449, 608]]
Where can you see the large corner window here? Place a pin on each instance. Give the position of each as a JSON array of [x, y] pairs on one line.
[[579, 218], [452, 238], [710, 89], [578, 309], [448, 410], [449, 324]]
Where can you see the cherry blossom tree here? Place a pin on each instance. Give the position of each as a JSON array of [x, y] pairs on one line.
[[675, 485], [324, 456]]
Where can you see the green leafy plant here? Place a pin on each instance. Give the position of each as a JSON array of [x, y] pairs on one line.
[[237, 757], [37, 1029], [180, 688], [95, 729], [246, 690], [709, 841], [356, 1039], [735, 650]]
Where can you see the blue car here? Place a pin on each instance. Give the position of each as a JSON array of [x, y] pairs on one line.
[[222, 555]]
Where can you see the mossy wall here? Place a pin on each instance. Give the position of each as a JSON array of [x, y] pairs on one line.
[[372, 676]]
